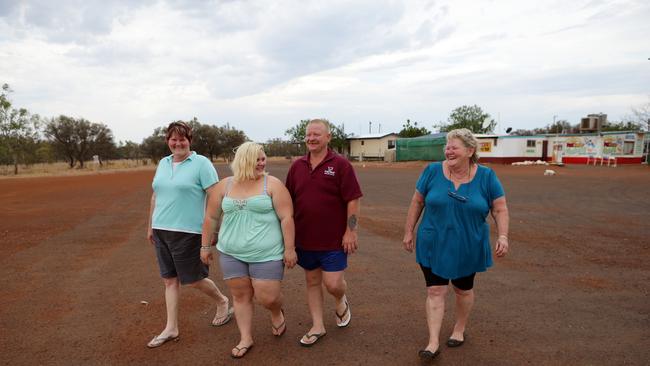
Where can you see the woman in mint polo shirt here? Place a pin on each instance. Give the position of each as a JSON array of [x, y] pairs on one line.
[[182, 182], [256, 240], [453, 241]]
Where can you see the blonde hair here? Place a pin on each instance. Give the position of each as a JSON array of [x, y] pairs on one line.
[[243, 165], [467, 138], [323, 122]]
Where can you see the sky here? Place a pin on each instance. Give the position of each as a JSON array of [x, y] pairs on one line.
[[262, 66]]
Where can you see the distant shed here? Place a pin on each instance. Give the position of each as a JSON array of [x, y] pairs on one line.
[[428, 147]]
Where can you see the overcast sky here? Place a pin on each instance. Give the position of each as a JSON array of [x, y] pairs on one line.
[[262, 66]]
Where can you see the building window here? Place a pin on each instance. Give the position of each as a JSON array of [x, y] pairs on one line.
[[391, 144], [362, 142], [628, 148], [530, 143]]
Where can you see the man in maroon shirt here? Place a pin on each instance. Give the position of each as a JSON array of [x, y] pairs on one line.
[[325, 194]]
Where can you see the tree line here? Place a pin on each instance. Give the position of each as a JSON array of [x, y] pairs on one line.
[[27, 138], [476, 120]]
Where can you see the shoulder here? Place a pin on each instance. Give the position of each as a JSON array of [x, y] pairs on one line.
[[271, 180], [487, 171], [300, 162], [201, 159], [432, 168]]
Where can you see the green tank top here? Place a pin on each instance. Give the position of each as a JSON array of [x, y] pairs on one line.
[[250, 230]]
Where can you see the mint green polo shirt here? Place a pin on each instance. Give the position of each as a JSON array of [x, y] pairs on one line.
[[180, 193]]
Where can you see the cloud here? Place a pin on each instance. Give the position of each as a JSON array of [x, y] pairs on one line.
[[264, 65]]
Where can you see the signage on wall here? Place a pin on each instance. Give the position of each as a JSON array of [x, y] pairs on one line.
[[485, 146]]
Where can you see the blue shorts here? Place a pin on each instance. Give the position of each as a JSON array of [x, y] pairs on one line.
[[327, 260]]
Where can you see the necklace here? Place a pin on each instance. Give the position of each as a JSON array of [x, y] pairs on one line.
[[456, 178]]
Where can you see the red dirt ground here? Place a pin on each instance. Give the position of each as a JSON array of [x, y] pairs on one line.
[[573, 291]]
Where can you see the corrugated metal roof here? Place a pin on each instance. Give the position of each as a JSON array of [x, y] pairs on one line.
[[371, 136]]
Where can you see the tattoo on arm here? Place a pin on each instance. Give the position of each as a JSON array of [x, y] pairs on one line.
[[352, 222]]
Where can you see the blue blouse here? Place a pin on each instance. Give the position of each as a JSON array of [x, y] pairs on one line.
[[453, 238]]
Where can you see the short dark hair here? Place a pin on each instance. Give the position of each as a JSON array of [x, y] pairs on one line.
[[181, 128]]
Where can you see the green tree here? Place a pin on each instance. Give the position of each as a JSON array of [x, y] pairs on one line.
[[18, 129], [622, 126], [470, 117], [60, 131], [207, 140], [561, 126], [155, 146], [100, 142], [297, 134], [412, 130], [79, 139], [231, 139], [128, 150], [279, 147]]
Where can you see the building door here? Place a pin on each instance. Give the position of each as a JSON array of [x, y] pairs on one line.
[[544, 150]]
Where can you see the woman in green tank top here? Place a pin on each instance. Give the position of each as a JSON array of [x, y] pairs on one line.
[[255, 242]]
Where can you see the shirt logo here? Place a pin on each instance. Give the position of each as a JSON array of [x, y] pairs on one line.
[[329, 171]]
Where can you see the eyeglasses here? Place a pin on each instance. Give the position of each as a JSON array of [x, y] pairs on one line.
[[456, 196]]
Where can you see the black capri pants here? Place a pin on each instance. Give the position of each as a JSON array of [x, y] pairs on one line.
[[462, 283]]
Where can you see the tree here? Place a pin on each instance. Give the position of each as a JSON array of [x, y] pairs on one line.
[[155, 146], [470, 117], [279, 147], [231, 138], [413, 130], [297, 134], [562, 126], [18, 129], [79, 139], [641, 115], [60, 131], [100, 142], [128, 150], [207, 140]]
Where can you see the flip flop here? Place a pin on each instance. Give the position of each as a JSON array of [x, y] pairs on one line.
[[339, 321], [223, 319], [239, 349], [283, 326], [157, 341], [317, 337], [426, 355]]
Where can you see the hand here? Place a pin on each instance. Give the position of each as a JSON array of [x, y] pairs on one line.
[[350, 243], [501, 247], [290, 258], [206, 256], [150, 235], [408, 241]]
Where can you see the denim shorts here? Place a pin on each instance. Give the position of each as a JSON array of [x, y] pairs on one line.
[[327, 260], [232, 267], [179, 255]]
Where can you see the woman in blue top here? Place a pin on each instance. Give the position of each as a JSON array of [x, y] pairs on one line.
[[256, 240], [453, 239], [181, 184]]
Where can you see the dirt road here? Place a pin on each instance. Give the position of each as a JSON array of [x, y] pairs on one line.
[[574, 289]]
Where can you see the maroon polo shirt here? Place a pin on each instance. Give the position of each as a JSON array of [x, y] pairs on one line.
[[320, 197]]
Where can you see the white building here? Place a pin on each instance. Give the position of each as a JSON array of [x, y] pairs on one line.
[[626, 147], [371, 146]]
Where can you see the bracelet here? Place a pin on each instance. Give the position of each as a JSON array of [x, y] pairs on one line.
[[503, 236], [206, 247]]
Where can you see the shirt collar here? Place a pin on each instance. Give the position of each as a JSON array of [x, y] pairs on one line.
[[190, 157], [330, 155]]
